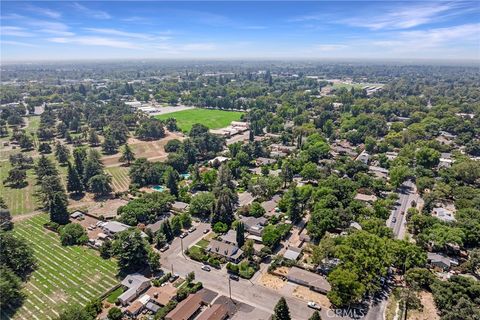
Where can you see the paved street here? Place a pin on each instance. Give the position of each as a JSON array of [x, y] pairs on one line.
[[407, 193], [243, 290]]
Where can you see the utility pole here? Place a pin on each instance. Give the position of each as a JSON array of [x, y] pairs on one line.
[[172, 269], [181, 245], [229, 288]]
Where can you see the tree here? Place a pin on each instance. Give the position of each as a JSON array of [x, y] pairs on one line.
[[115, 314], [240, 234], [202, 204], [286, 173], [79, 157], [150, 129], [130, 250], [106, 249], [309, 171], [427, 157], [109, 145], [16, 255], [73, 234], [16, 178], [10, 287], [315, 316], [399, 174], [45, 167], [127, 155], [61, 153], [171, 178], [25, 142], [248, 249], [44, 148], [294, 209], [5, 219], [224, 206], [281, 311], [346, 287], [74, 312], [176, 225], [100, 184], [190, 277], [57, 208], [93, 138], [74, 184]]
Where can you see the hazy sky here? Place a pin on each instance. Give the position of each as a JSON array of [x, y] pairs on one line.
[[60, 30]]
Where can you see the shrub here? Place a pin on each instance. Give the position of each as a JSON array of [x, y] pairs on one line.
[[220, 227], [73, 234]]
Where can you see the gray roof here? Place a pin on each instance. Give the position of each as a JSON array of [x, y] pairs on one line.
[[308, 278], [134, 280], [271, 204], [180, 206], [115, 226], [230, 237], [224, 249], [292, 253], [245, 198], [251, 222]]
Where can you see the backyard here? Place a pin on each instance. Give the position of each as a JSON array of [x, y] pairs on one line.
[[213, 119], [64, 275]]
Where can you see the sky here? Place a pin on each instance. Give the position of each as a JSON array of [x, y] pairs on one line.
[[72, 30]]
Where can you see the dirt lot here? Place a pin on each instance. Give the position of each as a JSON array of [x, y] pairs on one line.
[[107, 208], [270, 281], [309, 295], [152, 150], [429, 310]]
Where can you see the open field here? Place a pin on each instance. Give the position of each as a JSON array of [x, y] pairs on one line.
[[213, 119], [21, 200], [152, 150], [120, 179], [64, 275], [358, 86]]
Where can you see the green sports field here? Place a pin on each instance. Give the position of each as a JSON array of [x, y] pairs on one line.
[[64, 274], [213, 119]]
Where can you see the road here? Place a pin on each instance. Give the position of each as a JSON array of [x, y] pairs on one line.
[[397, 220], [245, 291]]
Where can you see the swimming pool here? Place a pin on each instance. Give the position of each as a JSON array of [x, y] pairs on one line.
[[158, 188]]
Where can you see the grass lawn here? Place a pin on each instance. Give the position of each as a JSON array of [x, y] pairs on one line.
[[213, 119], [202, 243], [64, 275], [112, 298], [120, 179], [19, 200]]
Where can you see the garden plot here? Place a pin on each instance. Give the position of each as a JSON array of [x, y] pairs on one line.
[[64, 275]]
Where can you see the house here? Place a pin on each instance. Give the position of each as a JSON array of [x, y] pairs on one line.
[[441, 262], [445, 160], [245, 198], [308, 279], [187, 309], [135, 284], [154, 227], [113, 227], [271, 206], [229, 251], [379, 172], [343, 148], [364, 157], [79, 215], [215, 312], [261, 161], [391, 155], [219, 159], [254, 225], [365, 197], [443, 214], [162, 295], [133, 310], [179, 206], [230, 237], [292, 253]]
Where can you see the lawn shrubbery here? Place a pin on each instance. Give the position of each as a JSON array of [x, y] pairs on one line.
[[73, 234], [244, 269]]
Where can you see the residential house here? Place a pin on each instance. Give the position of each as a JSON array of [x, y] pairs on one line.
[[229, 251], [230, 237], [215, 312], [162, 295], [364, 157], [79, 215], [271, 206], [443, 214], [186, 309], [365, 197], [379, 172], [254, 225], [261, 161], [133, 310], [445, 160], [441, 262], [308, 279], [111, 228], [219, 159], [135, 284], [179, 206], [292, 253], [245, 199]]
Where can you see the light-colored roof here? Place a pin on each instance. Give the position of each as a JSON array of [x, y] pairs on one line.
[[443, 214], [245, 198], [115, 226], [230, 237], [365, 197], [215, 312], [178, 205], [292, 253], [224, 249], [309, 278]]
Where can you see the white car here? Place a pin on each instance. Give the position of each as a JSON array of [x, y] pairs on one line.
[[206, 268], [192, 229], [314, 305]]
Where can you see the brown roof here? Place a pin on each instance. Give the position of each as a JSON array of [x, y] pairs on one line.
[[134, 307], [186, 308], [215, 312], [162, 295], [308, 278]]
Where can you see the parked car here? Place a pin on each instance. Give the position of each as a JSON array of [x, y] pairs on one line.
[[173, 277], [183, 235], [164, 248], [206, 231], [394, 220], [192, 229], [314, 305], [206, 268], [234, 277]]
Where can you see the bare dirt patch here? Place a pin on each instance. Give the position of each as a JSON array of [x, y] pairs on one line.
[[152, 150], [270, 281], [429, 311], [309, 295]]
